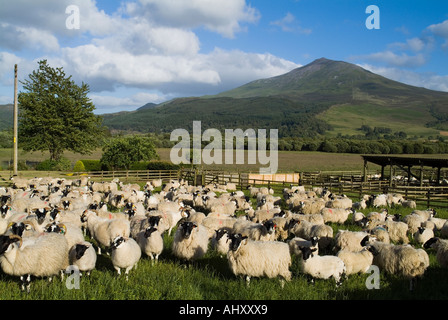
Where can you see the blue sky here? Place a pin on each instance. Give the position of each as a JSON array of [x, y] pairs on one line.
[[140, 51]]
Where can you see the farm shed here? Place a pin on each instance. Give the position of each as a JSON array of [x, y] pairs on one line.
[[406, 164]]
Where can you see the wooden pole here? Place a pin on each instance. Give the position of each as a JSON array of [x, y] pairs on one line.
[[15, 123]]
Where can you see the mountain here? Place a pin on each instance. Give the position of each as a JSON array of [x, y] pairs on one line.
[[324, 97]]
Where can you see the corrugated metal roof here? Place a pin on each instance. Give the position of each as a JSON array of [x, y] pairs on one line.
[[385, 160]]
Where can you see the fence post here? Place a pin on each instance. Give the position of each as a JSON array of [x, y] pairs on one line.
[[428, 198]]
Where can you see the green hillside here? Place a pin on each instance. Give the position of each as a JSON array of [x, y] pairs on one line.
[[324, 97]]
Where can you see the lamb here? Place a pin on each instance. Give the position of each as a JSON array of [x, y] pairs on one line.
[[358, 261], [43, 256], [151, 243], [190, 241], [83, 256], [125, 254], [321, 267], [258, 258], [105, 230], [336, 215], [403, 260], [423, 235], [441, 247]]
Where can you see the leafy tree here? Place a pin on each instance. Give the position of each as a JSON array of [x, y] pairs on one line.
[[122, 152], [56, 115]]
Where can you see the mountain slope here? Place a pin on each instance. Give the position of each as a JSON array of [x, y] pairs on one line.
[[312, 99]]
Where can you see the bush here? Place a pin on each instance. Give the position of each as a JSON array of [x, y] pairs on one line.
[[79, 166], [92, 165], [62, 164]]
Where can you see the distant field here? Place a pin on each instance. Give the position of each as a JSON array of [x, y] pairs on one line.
[[288, 161]]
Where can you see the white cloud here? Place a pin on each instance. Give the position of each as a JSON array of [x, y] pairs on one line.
[[426, 80], [289, 24], [395, 60], [441, 30], [223, 17]]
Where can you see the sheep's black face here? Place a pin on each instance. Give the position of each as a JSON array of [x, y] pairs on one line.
[[307, 252], [220, 233], [4, 210], [18, 228], [66, 204], [154, 221], [187, 228], [270, 226], [236, 241], [41, 213], [428, 244], [117, 242], [5, 241], [80, 249]]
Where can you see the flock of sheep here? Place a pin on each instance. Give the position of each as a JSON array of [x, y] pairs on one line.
[[44, 223]]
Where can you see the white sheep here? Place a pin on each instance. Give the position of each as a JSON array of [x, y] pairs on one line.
[[425, 214], [258, 258], [296, 243], [397, 231], [125, 254], [321, 267], [190, 241], [105, 230], [441, 248], [423, 234], [83, 256], [43, 256], [151, 242], [255, 231], [308, 230], [350, 240], [357, 261], [336, 215], [414, 221], [403, 260], [220, 241]]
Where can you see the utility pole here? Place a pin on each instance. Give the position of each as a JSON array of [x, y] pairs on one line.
[[15, 122]]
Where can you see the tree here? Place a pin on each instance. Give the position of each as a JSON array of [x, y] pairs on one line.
[[122, 152], [56, 115]]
